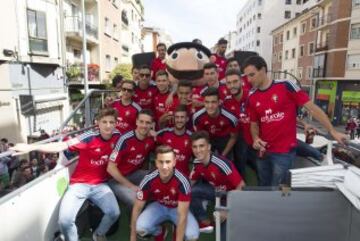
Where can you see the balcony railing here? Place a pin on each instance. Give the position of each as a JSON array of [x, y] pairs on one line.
[[318, 72], [322, 46], [324, 20], [74, 24], [75, 74]]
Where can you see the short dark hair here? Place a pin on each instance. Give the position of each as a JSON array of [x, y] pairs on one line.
[[257, 61], [222, 41], [211, 91], [107, 112], [145, 66], [232, 72], [145, 112], [181, 108], [200, 135], [116, 80], [161, 72], [184, 83], [162, 149], [210, 66], [134, 67], [128, 82], [232, 59], [160, 44], [4, 140]]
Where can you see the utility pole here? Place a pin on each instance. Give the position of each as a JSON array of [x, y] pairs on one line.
[[86, 85]]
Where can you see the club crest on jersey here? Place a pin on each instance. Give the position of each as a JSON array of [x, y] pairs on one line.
[[213, 175], [127, 113], [257, 104], [173, 191], [275, 98], [186, 142]]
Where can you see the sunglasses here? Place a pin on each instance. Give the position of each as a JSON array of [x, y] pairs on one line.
[[127, 90], [144, 75]]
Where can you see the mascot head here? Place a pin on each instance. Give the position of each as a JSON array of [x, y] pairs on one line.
[[186, 60]]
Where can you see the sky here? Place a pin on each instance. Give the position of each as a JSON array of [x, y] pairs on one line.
[[185, 20]]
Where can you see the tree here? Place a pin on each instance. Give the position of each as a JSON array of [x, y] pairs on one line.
[[123, 69]]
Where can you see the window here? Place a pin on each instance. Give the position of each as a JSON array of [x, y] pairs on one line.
[[286, 54], [108, 63], [295, 31], [259, 15], [309, 72], [313, 22], [258, 30], [300, 73], [258, 43], [353, 61], [280, 56], [132, 37], [116, 61], [287, 14], [293, 53], [115, 32], [311, 48], [303, 28], [107, 26], [77, 53], [298, 2], [287, 35], [37, 31], [301, 51], [281, 38], [275, 40], [355, 3], [287, 2], [355, 31], [259, 2]]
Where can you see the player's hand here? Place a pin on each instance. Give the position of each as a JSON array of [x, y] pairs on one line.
[[339, 137], [259, 144], [169, 100]]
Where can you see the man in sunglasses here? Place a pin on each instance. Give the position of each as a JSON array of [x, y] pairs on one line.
[[273, 110], [144, 91], [126, 107]]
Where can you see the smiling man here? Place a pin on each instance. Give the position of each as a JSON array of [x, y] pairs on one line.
[[128, 156], [170, 192]]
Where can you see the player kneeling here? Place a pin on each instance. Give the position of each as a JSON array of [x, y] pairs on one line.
[[170, 192]]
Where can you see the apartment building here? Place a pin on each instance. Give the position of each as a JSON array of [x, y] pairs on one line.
[[332, 19], [33, 94], [258, 18], [293, 49], [151, 36], [132, 17]]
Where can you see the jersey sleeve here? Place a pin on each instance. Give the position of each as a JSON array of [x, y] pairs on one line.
[[184, 188], [296, 93], [234, 177], [144, 190], [118, 151], [79, 142]]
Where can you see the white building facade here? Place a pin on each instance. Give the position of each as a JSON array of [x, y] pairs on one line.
[[33, 94], [151, 36], [258, 18]]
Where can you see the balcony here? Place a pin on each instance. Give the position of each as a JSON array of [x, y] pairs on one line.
[[124, 18], [324, 20], [322, 46], [73, 29], [74, 74], [318, 72]]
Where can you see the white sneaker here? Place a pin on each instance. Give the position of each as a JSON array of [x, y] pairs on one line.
[[99, 237]]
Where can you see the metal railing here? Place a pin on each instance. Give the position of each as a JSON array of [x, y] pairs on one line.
[[74, 24]]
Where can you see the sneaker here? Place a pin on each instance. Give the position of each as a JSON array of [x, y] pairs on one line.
[[205, 226], [99, 237], [161, 236]]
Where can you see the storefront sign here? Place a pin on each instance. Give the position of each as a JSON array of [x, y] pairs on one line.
[[351, 96]]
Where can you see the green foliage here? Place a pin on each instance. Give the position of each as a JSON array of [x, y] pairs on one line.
[[73, 72], [123, 69]]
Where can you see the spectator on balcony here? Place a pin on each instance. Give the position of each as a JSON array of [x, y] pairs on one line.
[[159, 62]]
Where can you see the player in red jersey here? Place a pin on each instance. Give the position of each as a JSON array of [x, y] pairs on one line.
[[144, 91], [164, 114], [211, 77], [159, 62], [89, 178], [127, 109], [237, 103], [128, 156], [234, 64], [178, 138], [273, 110], [170, 192], [219, 173], [221, 124], [219, 58]]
